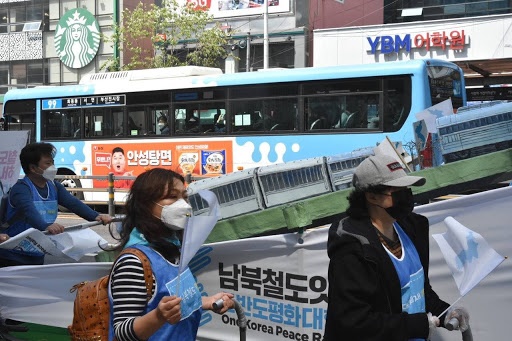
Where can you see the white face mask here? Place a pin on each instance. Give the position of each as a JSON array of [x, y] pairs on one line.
[[49, 173], [176, 215], [161, 124]]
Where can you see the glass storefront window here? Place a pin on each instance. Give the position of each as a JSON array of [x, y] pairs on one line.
[[69, 75], [35, 73], [3, 20], [105, 7], [19, 73], [67, 5], [54, 71], [35, 12], [54, 10], [89, 5], [17, 12]]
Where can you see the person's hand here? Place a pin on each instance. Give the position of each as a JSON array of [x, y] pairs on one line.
[[461, 314], [104, 219], [227, 299], [3, 237], [169, 309], [55, 228], [433, 323], [130, 173]]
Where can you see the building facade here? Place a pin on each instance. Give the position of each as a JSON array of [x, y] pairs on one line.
[[33, 53], [36, 45], [473, 34]]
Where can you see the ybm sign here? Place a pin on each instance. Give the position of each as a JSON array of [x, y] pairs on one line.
[[455, 40], [77, 38]]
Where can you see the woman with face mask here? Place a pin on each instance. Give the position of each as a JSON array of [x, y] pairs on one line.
[[34, 202], [378, 272], [157, 212]]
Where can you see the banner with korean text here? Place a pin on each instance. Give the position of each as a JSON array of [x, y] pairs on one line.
[[11, 144], [282, 284]]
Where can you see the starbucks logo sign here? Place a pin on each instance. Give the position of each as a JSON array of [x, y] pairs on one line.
[[77, 38]]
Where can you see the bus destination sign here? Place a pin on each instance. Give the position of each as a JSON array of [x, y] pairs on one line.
[[77, 102]]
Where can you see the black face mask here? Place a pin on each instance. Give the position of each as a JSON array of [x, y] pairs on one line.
[[403, 204]]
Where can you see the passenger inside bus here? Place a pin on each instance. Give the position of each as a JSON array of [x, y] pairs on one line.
[[192, 124], [163, 125], [219, 122]]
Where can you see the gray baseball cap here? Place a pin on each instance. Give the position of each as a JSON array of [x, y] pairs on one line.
[[383, 170]]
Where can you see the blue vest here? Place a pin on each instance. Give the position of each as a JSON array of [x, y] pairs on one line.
[[411, 275], [47, 207], [165, 272]]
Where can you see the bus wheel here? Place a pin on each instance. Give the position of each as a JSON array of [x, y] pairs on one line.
[[73, 183]]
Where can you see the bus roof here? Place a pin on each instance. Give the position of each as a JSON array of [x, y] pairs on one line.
[[185, 78]]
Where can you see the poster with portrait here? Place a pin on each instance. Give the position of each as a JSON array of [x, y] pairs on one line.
[[127, 160]]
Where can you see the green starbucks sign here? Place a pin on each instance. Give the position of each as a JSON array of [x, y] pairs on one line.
[[77, 38]]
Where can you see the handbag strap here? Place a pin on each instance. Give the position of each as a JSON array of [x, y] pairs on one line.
[[146, 265]]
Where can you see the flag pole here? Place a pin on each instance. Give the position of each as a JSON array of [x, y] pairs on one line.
[[444, 312]]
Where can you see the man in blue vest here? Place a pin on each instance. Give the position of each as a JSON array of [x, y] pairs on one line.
[[34, 202]]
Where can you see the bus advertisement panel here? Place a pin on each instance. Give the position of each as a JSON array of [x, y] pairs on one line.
[[199, 158]]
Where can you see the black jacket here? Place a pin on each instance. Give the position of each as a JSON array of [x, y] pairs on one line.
[[364, 290]]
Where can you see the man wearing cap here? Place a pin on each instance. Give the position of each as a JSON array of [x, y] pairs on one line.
[[378, 272]]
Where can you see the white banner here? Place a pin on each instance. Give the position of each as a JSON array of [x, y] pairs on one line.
[[40, 293], [11, 144], [69, 246], [282, 285]]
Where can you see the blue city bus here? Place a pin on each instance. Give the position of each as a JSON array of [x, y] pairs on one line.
[[475, 130], [220, 123]]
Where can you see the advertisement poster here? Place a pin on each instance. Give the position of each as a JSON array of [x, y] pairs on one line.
[[198, 158], [234, 8]]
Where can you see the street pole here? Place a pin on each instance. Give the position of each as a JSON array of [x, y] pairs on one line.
[[248, 53], [265, 35]]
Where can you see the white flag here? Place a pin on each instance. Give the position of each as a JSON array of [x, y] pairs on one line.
[[430, 115], [198, 229], [467, 254], [395, 150]]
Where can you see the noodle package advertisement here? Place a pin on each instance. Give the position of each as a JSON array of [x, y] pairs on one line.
[[198, 158]]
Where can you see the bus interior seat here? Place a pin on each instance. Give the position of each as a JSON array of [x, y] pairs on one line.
[[351, 121], [318, 124], [400, 117], [343, 120]]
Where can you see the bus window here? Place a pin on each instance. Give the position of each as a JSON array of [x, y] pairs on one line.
[[197, 117], [159, 122], [265, 115], [136, 121], [99, 122], [60, 124], [21, 115], [397, 102]]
